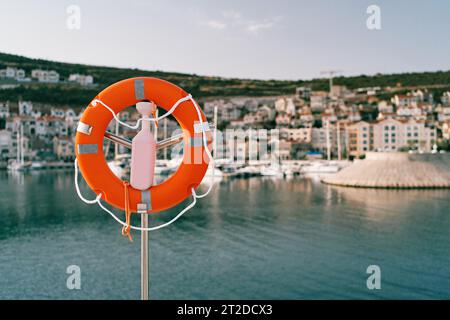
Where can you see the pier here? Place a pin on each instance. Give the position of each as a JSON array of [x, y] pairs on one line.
[[395, 170]]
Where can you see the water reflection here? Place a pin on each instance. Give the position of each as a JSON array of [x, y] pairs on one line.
[[256, 238]]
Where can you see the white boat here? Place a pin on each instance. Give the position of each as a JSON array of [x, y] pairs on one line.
[[251, 171], [19, 166], [35, 165], [212, 170], [209, 178], [230, 170], [289, 170], [272, 171], [318, 167], [288, 173]]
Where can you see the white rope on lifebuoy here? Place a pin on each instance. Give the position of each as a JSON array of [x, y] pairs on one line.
[[136, 126], [96, 200]]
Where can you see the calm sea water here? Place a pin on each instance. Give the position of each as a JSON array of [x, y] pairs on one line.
[[250, 239]]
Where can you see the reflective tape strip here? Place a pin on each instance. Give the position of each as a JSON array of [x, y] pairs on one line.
[[196, 142], [87, 148], [139, 89], [199, 127], [142, 208], [146, 199], [84, 128]]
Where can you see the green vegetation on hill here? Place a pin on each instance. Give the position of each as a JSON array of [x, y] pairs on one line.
[[199, 86]]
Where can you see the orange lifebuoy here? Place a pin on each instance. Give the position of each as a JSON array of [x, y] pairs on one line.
[[89, 145]]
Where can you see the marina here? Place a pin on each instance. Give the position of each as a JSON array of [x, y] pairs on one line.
[[228, 169]]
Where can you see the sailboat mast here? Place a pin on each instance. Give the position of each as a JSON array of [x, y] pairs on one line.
[[215, 131], [18, 144], [338, 137], [328, 141], [21, 145]]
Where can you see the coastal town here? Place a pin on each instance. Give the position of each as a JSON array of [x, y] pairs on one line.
[[337, 124]]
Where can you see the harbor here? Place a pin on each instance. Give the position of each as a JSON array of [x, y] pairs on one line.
[[224, 168], [378, 170]]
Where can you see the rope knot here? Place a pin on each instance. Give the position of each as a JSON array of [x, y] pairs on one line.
[[126, 229]]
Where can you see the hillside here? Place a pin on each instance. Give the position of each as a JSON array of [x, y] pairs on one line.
[[199, 86]]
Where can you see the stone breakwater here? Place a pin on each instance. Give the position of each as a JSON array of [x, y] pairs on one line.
[[395, 171]]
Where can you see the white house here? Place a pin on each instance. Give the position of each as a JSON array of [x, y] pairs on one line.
[[354, 116], [445, 99], [444, 114], [410, 99], [5, 144], [51, 126], [446, 130], [280, 105], [285, 105], [63, 147], [391, 135], [302, 135], [328, 117], [56, 112], [226, 110], [384, 107], [12, 73], [410, 111], [45, 76], [25, 108], [319, 138], [82, 79], [290, 107], [319, 100], [306, 117], [283, 119], [4, 110]]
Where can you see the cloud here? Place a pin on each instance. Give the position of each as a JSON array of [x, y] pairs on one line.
[[235, 20], [215, 24], [255, 27]]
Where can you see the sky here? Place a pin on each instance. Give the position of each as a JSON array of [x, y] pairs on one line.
[[233, 38]]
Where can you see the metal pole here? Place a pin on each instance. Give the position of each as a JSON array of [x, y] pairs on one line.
[[22, 156], [338, 140], [331, 83], [144, 243], [215, 132], [144, 257], [328, 140]]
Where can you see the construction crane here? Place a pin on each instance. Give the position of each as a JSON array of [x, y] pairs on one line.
[[331, 74]]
